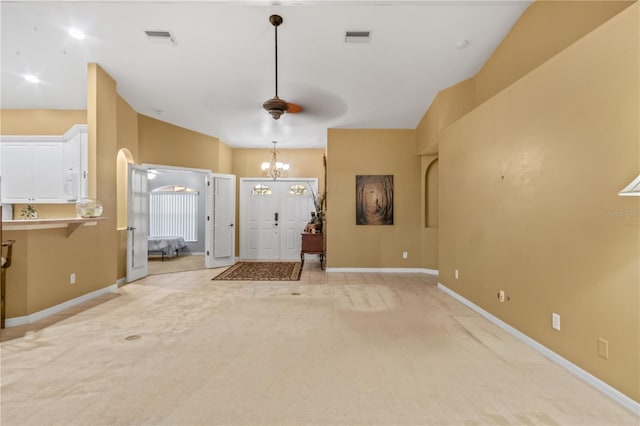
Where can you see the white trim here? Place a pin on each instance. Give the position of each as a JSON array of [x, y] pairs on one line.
[[269, 179], [121, 281], [66, 137], [598, 384], [36, 316], [386, 270], [175, 168]]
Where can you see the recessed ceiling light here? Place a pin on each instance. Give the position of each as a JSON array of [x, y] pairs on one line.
[[31, 78], [462, 44], [76, 33]]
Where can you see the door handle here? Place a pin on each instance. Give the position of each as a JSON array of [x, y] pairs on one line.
[[130, 228], [276, 216], [231, 224]]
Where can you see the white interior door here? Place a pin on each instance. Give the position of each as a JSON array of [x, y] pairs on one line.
[[296, 209], [272, 216], [258, 210], [137, 223], [221, 213]]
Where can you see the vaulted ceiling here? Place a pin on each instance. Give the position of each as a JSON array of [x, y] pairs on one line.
[[220, 69]]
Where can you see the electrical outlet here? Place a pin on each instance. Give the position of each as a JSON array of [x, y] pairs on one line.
[[555, 321], [501, 295], [405, 254], [72, 278], [457, 274], [603, 348]]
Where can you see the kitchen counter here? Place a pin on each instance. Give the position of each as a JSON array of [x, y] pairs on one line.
[[71, 223]]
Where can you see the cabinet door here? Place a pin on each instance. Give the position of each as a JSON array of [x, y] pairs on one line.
[[76, 167], [17, 182], [48, 172], [72, 174], [84, 165]]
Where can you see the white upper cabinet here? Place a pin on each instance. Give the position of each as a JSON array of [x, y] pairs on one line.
[[44, 169]]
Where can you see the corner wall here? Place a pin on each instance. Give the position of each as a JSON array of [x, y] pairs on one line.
[[529, 204], [546, 28], [39, 277], [372, 152], [166, 144]]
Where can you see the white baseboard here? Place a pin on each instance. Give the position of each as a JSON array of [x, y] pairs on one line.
[[386, 270], [598, 384], [28, 319], [121, 281]]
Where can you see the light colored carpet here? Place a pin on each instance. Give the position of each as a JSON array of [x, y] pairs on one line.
[[331, 349]]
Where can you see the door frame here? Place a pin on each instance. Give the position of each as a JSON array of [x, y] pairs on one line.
[[209, 206], [244, 208], [210, 259]]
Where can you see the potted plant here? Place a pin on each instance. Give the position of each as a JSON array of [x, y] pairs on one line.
[[29, 212], [318, 202]]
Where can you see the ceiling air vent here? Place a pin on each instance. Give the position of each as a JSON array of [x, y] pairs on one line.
[[357, 37], [160, 36]]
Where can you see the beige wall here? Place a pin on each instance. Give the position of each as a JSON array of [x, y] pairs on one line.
[[429, 207], [372, 152], [544, 29], [225, 158], [449, 105], [127, 130], [39, 121], [128, 152], [304, 162], [166, 144], [529, 205], [102, 105]]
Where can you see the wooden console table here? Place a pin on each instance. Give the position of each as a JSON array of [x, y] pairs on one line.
[[313, 244]]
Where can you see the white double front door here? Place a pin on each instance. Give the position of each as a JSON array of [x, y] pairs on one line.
[[273, 214]]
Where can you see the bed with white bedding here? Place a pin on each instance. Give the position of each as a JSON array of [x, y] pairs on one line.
[[166, 246]]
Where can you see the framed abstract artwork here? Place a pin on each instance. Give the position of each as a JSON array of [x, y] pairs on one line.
[[374, 200]]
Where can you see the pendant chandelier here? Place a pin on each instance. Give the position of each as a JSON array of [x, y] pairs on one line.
[[275, 169], [276, 106]]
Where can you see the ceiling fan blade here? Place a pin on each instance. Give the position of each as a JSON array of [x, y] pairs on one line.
[[294, 108]]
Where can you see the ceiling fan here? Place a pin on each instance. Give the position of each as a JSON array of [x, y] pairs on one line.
[[276, 106]]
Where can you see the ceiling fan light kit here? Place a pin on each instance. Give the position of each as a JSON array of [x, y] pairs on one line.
[[276, 107]]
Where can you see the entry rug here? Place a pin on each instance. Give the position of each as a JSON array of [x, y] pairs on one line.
[[262, 271]]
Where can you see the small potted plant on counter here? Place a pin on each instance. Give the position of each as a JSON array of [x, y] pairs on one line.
[[29, 212]]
